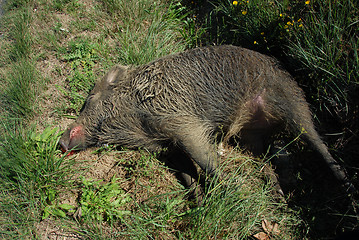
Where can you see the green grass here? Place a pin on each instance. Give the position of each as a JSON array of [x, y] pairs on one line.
[[21, 35], [81, 56], [21, 80], [20, 93], [32, 175], [327, 47], [236, 205], [252, 24], [147, 31]]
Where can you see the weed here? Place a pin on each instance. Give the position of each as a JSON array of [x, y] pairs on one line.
[[327, 47], [82, 56], [102, 202], [250, 24], [191, 31]]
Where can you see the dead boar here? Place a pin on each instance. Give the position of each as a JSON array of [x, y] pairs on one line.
[[187, 99]]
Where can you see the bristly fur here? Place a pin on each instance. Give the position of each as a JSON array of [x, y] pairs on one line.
[[190, 97]]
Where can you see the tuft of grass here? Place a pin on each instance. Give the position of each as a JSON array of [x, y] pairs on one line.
[[32, 175], [59, 5], [327, 47], [147, 30], [21, 35], [236, 204], [18, 97]]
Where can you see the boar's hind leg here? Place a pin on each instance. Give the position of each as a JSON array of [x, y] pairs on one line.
[[339, 172], [194, 138], [298, 115]]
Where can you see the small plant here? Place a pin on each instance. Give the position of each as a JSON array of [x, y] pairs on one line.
[[35, 163], [60, 5], [102, 202], [58, 210], [82, 57]]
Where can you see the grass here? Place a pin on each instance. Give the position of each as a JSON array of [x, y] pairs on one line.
[[138, 43], [19, 96], [81, 55], [54, 53], [21, 79], [236, 205], [32, 174], [332, 64]]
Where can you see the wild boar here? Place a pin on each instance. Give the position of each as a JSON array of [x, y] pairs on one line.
[[187, 100]]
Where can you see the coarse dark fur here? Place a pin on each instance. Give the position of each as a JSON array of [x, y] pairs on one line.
[[190, 98]]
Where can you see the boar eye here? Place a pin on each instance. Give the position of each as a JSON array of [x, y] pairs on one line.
[[93, 96]]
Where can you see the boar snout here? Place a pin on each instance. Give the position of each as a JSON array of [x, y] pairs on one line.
[[73, 138], [63, 145]]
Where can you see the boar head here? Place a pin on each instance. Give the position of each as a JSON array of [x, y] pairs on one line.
[[98, 107]]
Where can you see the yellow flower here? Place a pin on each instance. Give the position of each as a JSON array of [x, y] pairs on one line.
[[244, 12], [281, 15], [262, 33], [235, 3], [289, 23], [299, 20], [307, 2], [300, 25], [255, 42]]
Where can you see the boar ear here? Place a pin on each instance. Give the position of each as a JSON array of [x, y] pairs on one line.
[[116, 74]]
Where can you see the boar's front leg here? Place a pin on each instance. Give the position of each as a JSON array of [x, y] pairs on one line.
[[194, 138], [185, 171]]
